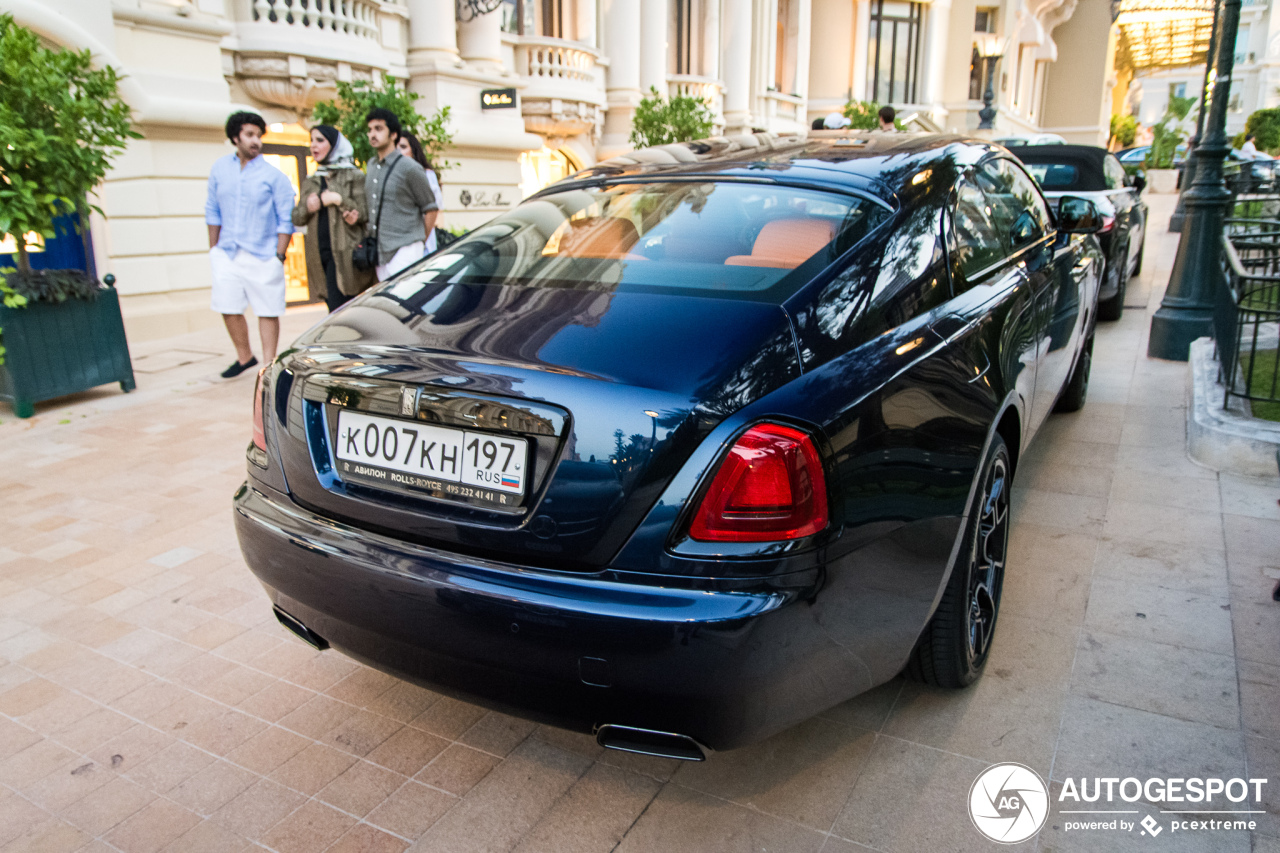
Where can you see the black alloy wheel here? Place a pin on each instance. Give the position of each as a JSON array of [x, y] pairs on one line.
[[986, 565], [954, 647]]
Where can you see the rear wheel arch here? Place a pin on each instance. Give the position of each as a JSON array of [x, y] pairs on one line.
[[1009, 427]]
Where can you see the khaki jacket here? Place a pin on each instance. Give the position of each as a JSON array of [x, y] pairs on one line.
[[348, 183]]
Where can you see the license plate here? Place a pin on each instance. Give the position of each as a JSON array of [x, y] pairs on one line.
[[454, 462]]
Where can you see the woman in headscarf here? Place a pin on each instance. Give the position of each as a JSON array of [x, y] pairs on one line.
[[408, 145], [331, 203]]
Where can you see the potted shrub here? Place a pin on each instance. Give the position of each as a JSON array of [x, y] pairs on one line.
[[61, 124], [1166, 135], [662, 121]]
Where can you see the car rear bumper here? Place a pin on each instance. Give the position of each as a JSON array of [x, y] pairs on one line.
[[722, 667]]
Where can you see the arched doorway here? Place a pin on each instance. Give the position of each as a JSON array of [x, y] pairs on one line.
[[286, 146], [544, 167]]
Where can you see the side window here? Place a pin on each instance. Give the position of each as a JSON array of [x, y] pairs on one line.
[[975, 242], [1018, 208], [1114, 172]]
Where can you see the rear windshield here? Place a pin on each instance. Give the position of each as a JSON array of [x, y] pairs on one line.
[[731, 240], [1055, 176]]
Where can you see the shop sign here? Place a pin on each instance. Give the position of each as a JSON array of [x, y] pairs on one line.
[[497, 99]]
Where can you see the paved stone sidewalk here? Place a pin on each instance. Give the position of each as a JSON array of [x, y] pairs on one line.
[[149, 701]]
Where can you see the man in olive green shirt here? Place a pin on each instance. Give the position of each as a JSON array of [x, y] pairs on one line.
[[409, 212]]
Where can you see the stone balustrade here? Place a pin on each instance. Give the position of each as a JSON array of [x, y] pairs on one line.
[[563, 91], [350, 18], [551, 59]]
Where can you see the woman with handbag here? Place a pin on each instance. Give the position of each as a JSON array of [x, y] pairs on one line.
[[332, 205]]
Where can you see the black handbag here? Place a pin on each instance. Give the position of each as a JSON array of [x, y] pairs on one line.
[[364, 256]]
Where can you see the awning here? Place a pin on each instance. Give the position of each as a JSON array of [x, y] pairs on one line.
[[1161, 33]]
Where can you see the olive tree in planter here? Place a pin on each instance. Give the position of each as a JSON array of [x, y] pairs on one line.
[[61, 124], [662, 121]]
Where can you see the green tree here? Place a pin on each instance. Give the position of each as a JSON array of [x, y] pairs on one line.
[[1123, 129], [1265, 125], [356, 99], [659, 121], [61, 124]]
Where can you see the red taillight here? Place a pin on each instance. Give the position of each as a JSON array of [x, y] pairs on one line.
[[1108, 222], [259, 436], [769, 488]]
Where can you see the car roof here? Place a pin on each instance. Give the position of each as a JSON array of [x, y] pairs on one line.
[[1061, 153], [1087, 159], [885, 164]]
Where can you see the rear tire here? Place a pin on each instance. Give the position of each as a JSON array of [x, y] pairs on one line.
[[1111, 309], [1077, 387], [954, 647], [1137, 268]]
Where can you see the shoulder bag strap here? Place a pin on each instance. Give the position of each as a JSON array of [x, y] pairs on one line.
[[386, 181]]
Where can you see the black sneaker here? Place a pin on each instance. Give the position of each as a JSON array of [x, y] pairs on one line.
[[237, 368]]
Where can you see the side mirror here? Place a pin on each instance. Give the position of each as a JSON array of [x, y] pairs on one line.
[[1139, 182], [1078, 215]]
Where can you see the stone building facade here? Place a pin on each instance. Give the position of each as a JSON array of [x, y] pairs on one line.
[[578, 68]]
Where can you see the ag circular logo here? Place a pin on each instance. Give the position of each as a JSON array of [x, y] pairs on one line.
[[1008, 803]]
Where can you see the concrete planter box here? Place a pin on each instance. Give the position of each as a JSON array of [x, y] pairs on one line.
[[59, 348], [1226, 439], [1162, 180]]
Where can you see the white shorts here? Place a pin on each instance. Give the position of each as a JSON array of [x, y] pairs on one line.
[[404, 256], [246, 280]]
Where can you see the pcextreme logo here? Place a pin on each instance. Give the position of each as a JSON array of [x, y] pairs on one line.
[[1009, 803]]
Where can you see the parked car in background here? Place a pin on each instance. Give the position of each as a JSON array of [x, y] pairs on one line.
[[1251, 174], [688, 447], [1031, 139], [1241, 173], [1088, 171]]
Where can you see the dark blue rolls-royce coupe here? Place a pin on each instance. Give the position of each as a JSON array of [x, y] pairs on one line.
[[687, 447]]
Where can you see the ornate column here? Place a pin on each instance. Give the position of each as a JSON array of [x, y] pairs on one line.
[[861, 33], [433, 33], [736, 64], [480, 40], [709, 58], [804, 15], [622, 87], [939, 31], [585, 22], [654, 20]]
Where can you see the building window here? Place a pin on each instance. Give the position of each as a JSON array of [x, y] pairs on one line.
[[510, 10], [684, 36], [894, 52], [552, 24], [984, 21]]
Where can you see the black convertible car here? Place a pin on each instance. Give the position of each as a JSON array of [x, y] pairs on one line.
[[688, 447], [1087, 171]]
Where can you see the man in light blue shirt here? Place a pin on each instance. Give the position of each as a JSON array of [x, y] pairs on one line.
[[248, 211]]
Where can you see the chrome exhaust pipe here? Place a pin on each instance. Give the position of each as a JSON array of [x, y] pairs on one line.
[[649, 742], [311, 638]]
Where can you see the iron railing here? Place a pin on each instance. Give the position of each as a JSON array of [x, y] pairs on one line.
[[1247, 310]]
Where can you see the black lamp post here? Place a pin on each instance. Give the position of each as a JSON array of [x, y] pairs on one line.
[[1189, 167], [990, 49], [1186, 313]]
